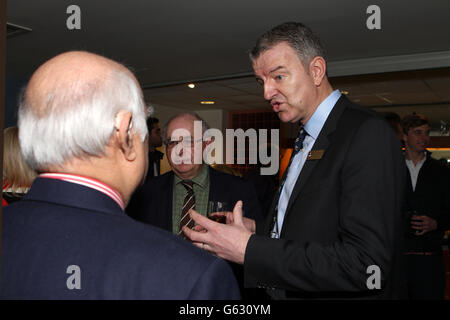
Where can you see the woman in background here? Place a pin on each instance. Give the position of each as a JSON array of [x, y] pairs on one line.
[[17, 175]]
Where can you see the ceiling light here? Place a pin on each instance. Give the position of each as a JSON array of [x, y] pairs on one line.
[[207, 102], [191, 85]]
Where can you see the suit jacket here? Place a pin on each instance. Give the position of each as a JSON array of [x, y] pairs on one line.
[[154, 158], [431, 198], [344, 215], [59, 224], [153, 202]]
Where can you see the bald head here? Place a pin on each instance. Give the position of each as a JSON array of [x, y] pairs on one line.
[[70, 104], [70, 76]]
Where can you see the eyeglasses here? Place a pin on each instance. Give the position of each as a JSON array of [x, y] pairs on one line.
[[185, 142]]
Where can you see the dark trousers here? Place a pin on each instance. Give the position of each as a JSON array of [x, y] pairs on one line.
[[425, 276]]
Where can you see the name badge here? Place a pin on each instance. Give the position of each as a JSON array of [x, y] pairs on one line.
[[315, 154]]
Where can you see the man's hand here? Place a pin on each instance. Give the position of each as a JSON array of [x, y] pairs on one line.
[[423, 224], [227, 241], [248, 223]]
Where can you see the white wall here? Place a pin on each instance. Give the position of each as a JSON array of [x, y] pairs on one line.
[[164, 113], [215, 118]]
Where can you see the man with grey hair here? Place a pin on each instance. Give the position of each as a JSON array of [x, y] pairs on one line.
[[334, 228], [82, 127]]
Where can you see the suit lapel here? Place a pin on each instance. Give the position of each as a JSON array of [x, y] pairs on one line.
[[219, 190], [409, 186], [322, 143], [423, 172], [212, 186], [167, 213]]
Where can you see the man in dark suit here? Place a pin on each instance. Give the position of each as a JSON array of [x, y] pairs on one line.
[[154, 141], [154, 204], [82, 126], [428, 207], [159, 201], [334, 230]]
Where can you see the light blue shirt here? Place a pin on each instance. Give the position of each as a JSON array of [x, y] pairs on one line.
[[313, 128]]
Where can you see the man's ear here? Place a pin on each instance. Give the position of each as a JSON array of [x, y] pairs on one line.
[[318, 69], [123, 126], [404, 137]]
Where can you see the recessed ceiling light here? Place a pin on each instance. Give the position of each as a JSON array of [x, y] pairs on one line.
[[191, 85], [207, 102]]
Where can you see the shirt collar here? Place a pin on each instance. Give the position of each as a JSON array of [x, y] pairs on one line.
[[88, 182], [419, 162], [317, 120]]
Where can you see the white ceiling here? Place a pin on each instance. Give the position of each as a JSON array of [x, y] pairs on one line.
[[171, 42]]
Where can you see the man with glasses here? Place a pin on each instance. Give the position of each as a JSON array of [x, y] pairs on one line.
[[161, 201], [165, 201]]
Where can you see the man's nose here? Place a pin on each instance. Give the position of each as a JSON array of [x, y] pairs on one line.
[[269, 91], [424, 135]]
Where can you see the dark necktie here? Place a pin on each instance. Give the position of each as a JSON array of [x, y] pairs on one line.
[[297, 147], [188, 204], [299, 142]]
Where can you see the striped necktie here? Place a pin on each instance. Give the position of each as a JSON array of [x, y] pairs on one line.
[[297, 147], [299, 142], [188, 204]]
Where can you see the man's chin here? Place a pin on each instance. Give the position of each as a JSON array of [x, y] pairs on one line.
[[183, 167], [283, 116], [286, 117]]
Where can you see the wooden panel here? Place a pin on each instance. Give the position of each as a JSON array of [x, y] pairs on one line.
[[439, 142], [254, 119]]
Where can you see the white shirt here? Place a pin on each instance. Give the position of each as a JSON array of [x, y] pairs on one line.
[[313, 128], [414, 170]]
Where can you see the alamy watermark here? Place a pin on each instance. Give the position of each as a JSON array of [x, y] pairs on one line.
[[374, 280], [373, 22], [73, 22], [186, 149], [74, 280]]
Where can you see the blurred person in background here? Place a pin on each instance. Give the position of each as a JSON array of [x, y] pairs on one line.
[[428, 208], [154, 141], [395, 122], [17, 175]]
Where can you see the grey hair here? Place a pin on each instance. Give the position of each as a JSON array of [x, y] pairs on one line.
[[79, 120], [297, 35], [193, 115]]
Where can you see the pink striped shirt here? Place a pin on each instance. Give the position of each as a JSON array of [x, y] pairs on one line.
[[88, 182]]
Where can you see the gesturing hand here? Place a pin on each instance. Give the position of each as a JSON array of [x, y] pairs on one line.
[[227, 241]]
